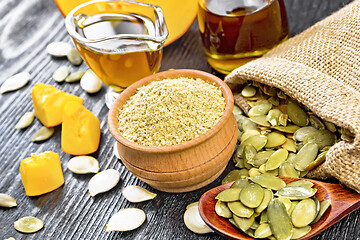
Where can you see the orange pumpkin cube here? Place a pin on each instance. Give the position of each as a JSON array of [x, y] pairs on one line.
[[80, 130], [49, 103], [41, 173]]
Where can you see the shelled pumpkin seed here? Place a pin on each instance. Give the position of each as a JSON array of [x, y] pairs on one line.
[[280, 136], [28, 224], [259, 212]]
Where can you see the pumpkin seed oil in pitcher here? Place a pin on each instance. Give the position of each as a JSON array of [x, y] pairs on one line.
[[234, 32], [118, 62]]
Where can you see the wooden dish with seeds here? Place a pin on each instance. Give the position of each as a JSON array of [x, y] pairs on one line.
[[190, 164]]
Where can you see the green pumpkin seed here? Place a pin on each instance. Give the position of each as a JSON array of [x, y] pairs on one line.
[[300, 232], [293, 204], [254, 171], [274, 101], [275, 139], [287, 129], [232, 221], [317, 203], [258, 141], [222, 209], [279, 220], [301, 133], [281, 95], [316, 122], [61, 73], [289, 145], [248, 125], [276, 159], [252, 195], [263, 217], [297, 115], [229, 195], [263, 231], [240, 133], [261, 109], [25, 120], [270, 91], [260, 120], [283, 119], [248, 91], [305, 156], [255, 225], [303, 173], [74, 57], [322, 138], [244, 223], [324, 205], [261, 158], [249, 153], [250, 232], [248, 134], [300, 183], [296, 193], [74, 77], [237, 111], [330, 126], [273, 117], [239, 162], [291, 158], [304, 213], [234, 175], [286, 202], [263, 170], [43, 134], [286, 169], [268, 196], [268, 181], [240, 210], [240, 183], [319, 159], [7, 201], [28, 224]]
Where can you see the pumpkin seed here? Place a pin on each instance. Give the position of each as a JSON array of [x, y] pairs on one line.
[[300, 183], [279, 220], [283, 119], [301, 133], [248, 125], [286, 169], [286, 202], [273, 117], [261, 109], [234, 175], [319, 159], [194, 222], [61, 73], [289, 145], [296, 193], [248, 92], [304, 213], [263, 170], [316, 122], [330, 126], [74, 77], [7, 200], [229, 195], [305, 156], [297, 115], [10, 238], [15, 82], [240, 210], [261, 158], [25, 120], [317, 203], [249, 152], [255, 225], [115, 150], [260, 120], [83, 165], [244, 223], [192, 204], [287, 129], [232, 221], [263, 231], [275, 160], [258, 141], [249, 133], [58, 49], [237, 111], [300, 232], [252, 195], [274, 101], [268, 181], [74, 57], [90, 82], [43, 134], [222, 209], [293, 204], [270, 91], [253, 172], [268, 196], [103, 181], [126, 219], [322, 138], [275, 139], [28, 224], [263, 217], [137, 194], [240, 183], [324, 205]]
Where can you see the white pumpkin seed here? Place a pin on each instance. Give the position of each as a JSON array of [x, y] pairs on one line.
[[83, 165], [74, 57], [10, 238], [15, 82], [61, 73], [25, 120], [43, 134], [116, 153], [90, 82], [58, 49], [126, 219], [137, 194], [103, 181], [28, 224], [194, 222], [7, 200], [192, 204], [74, 77]]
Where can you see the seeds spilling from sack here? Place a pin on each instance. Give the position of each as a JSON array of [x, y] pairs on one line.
[[252, 206], [280, 137]]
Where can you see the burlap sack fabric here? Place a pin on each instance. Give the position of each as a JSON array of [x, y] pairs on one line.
[[321, 69]]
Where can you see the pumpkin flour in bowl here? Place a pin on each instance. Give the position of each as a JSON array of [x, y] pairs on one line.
[[171, 111]]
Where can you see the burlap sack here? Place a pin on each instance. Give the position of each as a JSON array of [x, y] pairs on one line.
[[321, 69]]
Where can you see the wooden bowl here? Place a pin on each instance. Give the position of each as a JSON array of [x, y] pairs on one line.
[[183, 167]]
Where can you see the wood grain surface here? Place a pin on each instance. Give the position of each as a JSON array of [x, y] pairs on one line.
[[26, 27]]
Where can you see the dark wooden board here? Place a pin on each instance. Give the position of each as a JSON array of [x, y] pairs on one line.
[[26, 27]]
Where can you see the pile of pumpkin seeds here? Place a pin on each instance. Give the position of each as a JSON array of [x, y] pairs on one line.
[[252, 206], [281, 137]]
